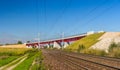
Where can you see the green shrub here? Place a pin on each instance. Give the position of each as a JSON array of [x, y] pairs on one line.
[[114, 50], [112, 46], [94, 52], [67, 50], [81, 47]]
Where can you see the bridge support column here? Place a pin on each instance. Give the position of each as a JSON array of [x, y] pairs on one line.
[[47, 45], [29, 46], [56, 45], [36, 46], [65, 44]]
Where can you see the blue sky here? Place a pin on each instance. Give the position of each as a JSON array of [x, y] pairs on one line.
[[24, 19]]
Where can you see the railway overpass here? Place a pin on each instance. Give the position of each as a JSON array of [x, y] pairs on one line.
[[56, 43]]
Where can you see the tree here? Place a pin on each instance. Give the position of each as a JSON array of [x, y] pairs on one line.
[[7, 44], [19, 42], [28, 41]]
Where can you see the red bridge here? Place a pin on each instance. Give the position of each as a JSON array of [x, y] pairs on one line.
[[57, 43]]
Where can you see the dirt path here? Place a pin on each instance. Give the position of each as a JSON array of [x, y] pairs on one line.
[[32, 65], [13, 66], [14, 63]]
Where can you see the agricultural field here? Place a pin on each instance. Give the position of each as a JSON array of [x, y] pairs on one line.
[[21, 59], [14, 46]]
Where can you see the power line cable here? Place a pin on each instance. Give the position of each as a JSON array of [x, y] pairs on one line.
[[45, 12], [58, 18], [60, 15], [37, 14], [103, 12], [89, 13], [40, 12]]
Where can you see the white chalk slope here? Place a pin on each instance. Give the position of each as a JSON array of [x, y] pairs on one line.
[[106, 40]]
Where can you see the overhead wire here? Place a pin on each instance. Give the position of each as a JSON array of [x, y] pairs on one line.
[[68, 3], [57, 19], [60, 16], [94, 18], [37, 19], [88, 14], [37, 15], [45, 12], [39, 12], [85, 16]]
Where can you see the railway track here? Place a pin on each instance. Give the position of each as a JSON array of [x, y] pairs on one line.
[[53, 62], [109, 61], [90, 65], [74, 61]]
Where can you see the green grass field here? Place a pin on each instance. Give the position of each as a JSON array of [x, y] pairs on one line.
[[7, 60], [86, 41], [35, 57], [9, 55], [25, 65]]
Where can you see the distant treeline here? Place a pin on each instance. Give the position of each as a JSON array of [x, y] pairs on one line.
[[19, 42]]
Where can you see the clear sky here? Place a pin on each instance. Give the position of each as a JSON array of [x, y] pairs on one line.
[[24, 19]]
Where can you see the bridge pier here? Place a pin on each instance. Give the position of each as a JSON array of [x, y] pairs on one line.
[[66, 44], [48, 45], [56, 45]]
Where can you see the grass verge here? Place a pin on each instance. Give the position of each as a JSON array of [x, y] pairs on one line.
[[26, 64], [86, 41], [8, 60], [38, 64]]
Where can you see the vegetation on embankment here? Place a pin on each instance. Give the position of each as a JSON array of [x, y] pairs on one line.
[[83, 44], [86, 41], [94, 52], [114, 50]]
